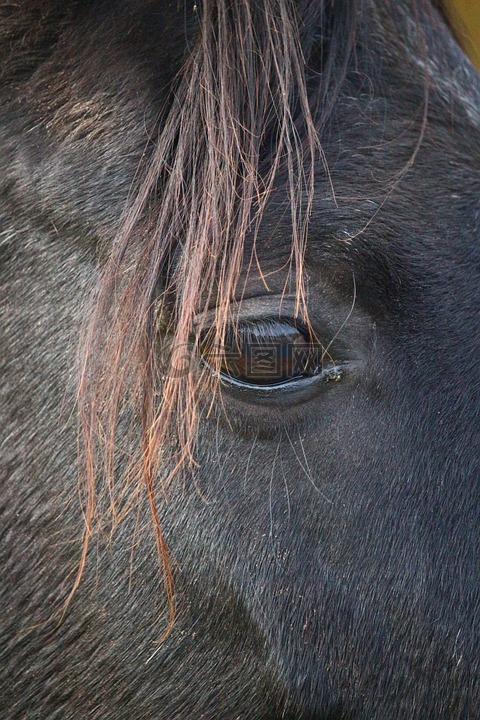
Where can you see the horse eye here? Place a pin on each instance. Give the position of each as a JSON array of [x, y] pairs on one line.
[[263, 353]]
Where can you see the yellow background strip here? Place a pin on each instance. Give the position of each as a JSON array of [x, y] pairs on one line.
[[464, 17]]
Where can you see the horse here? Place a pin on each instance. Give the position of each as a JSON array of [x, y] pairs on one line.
[[240, 261]]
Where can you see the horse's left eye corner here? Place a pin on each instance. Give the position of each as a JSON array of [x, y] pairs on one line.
[[269, 356]]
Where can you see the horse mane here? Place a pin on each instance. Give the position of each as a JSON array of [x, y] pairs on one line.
[[239, 113]]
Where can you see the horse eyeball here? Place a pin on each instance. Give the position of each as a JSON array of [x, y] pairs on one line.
[[265, 352]]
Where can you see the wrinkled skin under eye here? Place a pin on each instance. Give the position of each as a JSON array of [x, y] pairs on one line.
[[266, 353]]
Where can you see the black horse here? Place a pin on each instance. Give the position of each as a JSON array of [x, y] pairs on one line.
[[259, 220]]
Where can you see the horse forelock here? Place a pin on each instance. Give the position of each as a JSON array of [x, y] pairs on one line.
[[239, 116]]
